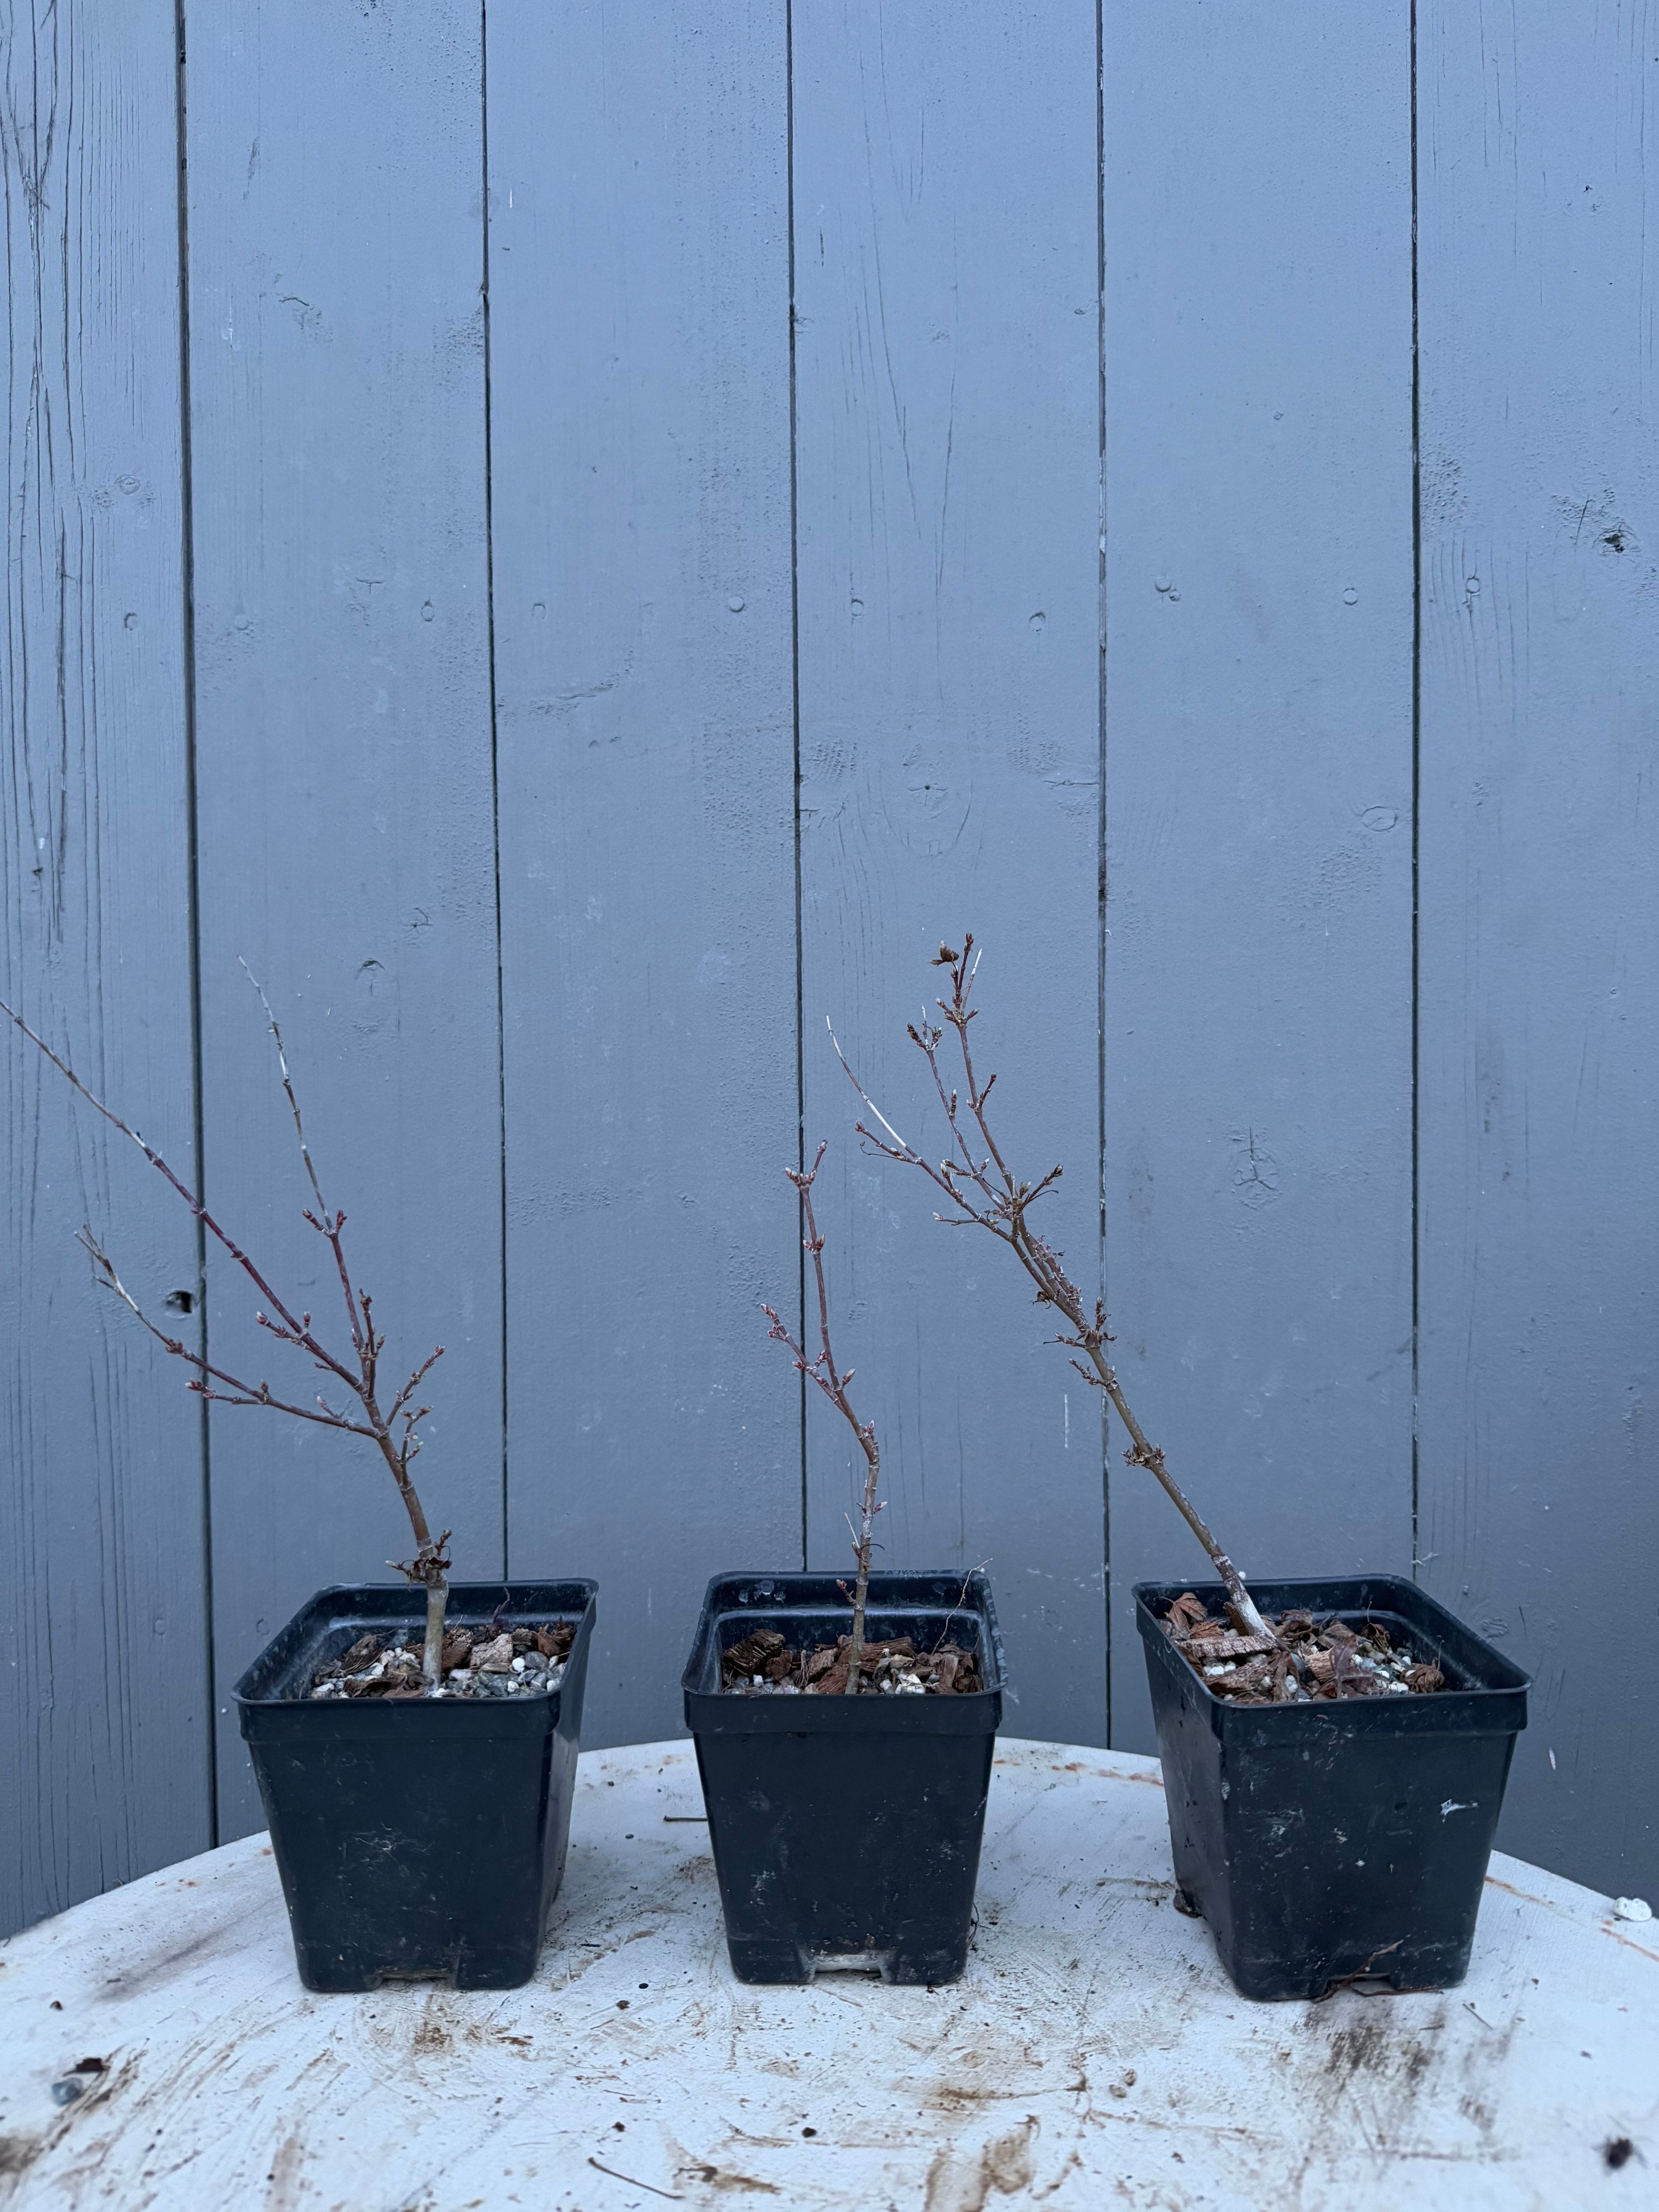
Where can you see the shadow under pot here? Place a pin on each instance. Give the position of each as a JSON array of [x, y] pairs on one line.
[[418, 1839], [845, 1830], [1337, 1840]]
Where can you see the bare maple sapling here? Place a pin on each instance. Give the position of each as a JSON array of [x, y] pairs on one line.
[[982, 1191], [391, 1428], [833, 1381]]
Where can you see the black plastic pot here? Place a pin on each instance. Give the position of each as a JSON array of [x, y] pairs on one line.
[[419, 1840], [846, 1831], [1337, 1840]]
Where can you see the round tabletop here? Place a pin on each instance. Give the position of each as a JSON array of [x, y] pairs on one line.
[[1094, 2054]]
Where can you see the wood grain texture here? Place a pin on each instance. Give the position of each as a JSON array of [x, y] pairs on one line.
[[946, 253], [336, 165], [596, 1190], [639, 385], [1539, 1029], [1258, 992], [103, 1644]]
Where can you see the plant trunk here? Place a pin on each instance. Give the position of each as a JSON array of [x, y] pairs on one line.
[[429, 1563], [437, 1599], [861, 1583], [1151, 1457]]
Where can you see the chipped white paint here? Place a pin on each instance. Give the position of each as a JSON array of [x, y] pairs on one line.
[[1093, 2054]]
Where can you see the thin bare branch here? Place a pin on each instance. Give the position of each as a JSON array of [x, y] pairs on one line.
[[327, 1225], [157, 1162], [833, 1382], [987, 1195], [250, 1394], [413, 1385], [356, 1374], [288, 1086], [863, 1094]]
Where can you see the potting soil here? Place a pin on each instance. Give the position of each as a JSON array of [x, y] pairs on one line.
[[518, 1661], [762, 1665], [1305, 1657]]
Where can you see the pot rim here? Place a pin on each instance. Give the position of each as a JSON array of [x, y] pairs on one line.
[[574, 1599], [1487, 1707]]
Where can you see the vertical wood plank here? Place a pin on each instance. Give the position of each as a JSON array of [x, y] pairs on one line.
[[640, 411], [1539, 1029], [946, 253], [1258, 993], [103, 1648], [336, 165]]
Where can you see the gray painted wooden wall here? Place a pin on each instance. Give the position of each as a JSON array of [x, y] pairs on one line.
[[1197, 525]]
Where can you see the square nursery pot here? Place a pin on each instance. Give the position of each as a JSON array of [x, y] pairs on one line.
[[1337, 1841], [421, 1840], [846, 1831]]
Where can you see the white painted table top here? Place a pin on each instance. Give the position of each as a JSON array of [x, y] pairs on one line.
[[1093, 2055]]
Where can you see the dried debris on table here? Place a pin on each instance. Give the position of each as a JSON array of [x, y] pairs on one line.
[[1309, 1656], [762, 1665], [478, 1663]]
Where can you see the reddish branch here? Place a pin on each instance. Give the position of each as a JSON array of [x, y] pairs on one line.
[[833, 1382], [391, 1428], [983, 1193]]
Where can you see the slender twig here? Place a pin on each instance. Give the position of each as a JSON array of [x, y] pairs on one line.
[[430, 1565], [160, 1165], [320, 1220], [833, 1382], [962, 1600], [984, 1192], [673, 2195], [236, 1392]]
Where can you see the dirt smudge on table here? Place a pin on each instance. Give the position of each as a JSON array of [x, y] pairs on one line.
[[128, 1981], [960, 2180], [18, 2152], [723, 2177], [1374, 2047], [284, 2178]]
